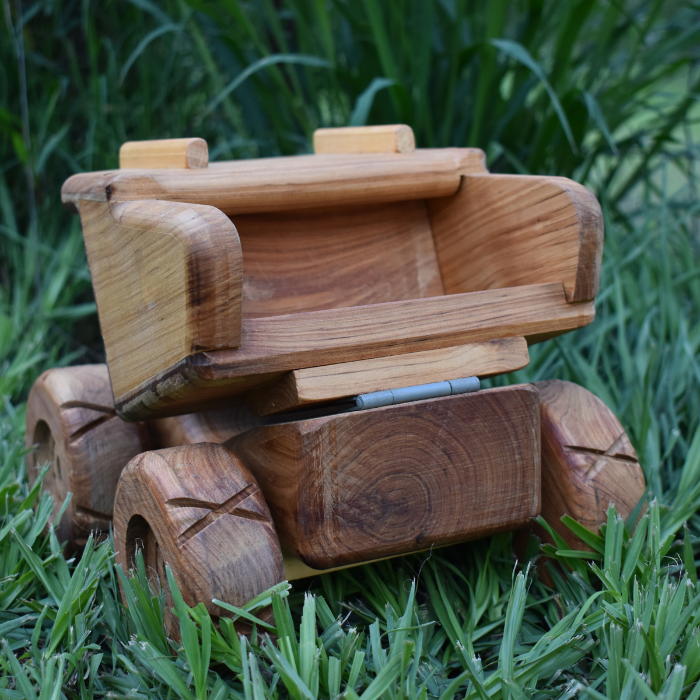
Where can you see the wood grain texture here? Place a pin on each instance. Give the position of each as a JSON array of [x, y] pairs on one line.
[[588, 461], [278, 344], [164, 153], [369, 484], [387, 138], [167, 281], [327, 259], [72, 425], [287, 183], [306, 387], [509, 230], [198, 509]]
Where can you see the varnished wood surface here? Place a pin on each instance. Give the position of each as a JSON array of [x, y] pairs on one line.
[[296, 341], [198, 509], [164, 153], [167, 281], [306, 387], [287, 183], [588, 461], [387, 138], [364, 485], [328, 259], [72, 422], [509, 230]]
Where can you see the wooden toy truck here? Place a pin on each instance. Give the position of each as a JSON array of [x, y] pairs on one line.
[[245, 306]]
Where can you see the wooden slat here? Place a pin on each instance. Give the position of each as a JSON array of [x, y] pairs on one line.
[[284, 343], [288, 183], [328, 259], [507, 230], [360, 486], [306, 387], [167, 281], [164, 153], [388, 138]]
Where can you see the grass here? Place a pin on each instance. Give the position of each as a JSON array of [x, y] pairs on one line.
[[603, 92]]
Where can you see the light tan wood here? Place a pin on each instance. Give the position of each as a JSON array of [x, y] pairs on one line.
[[167, 281], [278, 344], [72, 425], [288, 183], [326, 259], [509, 230], [359, 486], [198, 509], [164, 153], [388, 138], [306, 387], [588, 461]]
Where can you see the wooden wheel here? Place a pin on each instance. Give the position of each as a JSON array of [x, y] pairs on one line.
[[72, 425], [198, 509], [588, 461]]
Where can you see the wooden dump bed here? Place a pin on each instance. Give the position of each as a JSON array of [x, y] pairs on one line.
[[282, 274]]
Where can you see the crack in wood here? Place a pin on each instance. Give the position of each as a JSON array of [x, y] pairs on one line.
[[230, 506]]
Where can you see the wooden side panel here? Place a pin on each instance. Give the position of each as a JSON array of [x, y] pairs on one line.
[[288, 183], [588, 461], [279, 344], [305, 387], [326, 259], [167, 281], [509, 230], [387, 138], [370, 484]]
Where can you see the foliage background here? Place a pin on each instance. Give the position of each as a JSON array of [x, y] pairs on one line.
[[604, 92]]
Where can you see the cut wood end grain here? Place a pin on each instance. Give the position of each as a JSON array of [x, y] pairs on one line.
[[389, 138], [192, 153]]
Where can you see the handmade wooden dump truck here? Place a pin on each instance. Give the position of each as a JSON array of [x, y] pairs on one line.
[[293, 348]]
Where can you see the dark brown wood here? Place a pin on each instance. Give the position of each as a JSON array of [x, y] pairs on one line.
[[588, 461], [388, 481], [511, 230], [198, 509], [72, 425], [276, 344]]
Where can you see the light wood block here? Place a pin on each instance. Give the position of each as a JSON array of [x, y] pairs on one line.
[[288, 183], [328, 259], [167, 281], [360, 486], [164, 153], [389, 138], [588, 461], [503, 231], [277, 344], [198, 509], [306, 387]]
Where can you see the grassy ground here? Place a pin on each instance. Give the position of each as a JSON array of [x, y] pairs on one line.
[[601, 92]]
